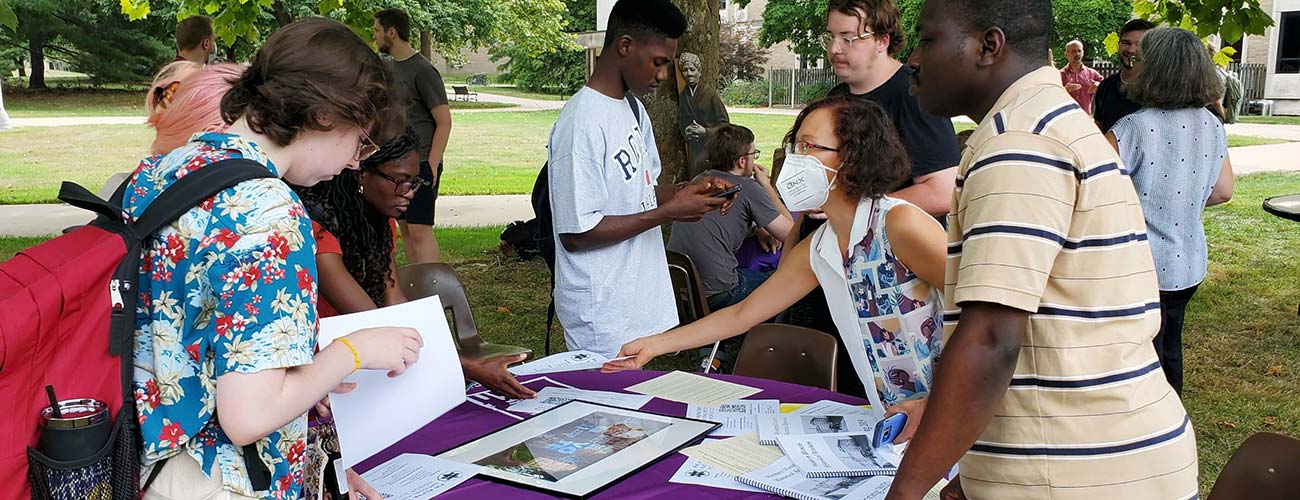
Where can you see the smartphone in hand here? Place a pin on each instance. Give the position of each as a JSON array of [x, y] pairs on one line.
[[888, 429], [727, 192]]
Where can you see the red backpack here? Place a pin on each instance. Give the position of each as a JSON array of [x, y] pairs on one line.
[[67, 319]]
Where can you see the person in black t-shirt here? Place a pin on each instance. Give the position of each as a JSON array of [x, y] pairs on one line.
[[1110, 104], [861, 37]]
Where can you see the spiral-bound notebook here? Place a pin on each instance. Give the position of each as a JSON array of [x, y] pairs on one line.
[[839, 455], [784, 478]]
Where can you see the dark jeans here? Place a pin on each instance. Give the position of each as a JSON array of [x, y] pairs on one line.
[[1169, 342], [747, 280]]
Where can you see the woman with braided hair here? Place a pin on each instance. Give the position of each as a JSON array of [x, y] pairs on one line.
[[352, 220], [351, 216]]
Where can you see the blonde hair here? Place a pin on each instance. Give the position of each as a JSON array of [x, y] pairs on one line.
[[195, 107]]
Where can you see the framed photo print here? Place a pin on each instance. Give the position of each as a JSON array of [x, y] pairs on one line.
[[578, 448]]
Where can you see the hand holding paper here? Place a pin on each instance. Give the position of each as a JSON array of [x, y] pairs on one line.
[[386, 348]]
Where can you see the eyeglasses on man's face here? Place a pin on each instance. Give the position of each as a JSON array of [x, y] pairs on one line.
[[830, 40]]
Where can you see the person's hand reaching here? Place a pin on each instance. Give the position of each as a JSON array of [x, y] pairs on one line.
[[641, 354], [915, 410], [768, 242], [492, 373], [360, 487]]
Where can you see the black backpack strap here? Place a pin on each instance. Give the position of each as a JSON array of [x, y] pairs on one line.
[[175, 201], [195, 187], [636, 110]]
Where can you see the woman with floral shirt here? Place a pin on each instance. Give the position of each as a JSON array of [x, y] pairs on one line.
[[226, 319]]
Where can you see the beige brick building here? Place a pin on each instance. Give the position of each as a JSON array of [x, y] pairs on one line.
[[1279, 51]]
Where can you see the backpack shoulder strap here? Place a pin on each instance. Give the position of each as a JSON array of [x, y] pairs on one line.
[[195, 187], [636, 110]]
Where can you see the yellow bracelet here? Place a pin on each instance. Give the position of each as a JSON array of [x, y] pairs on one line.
[[356, 358]]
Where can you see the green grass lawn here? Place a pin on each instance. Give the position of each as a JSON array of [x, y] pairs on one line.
[[22, 103], [490, 153], [1270, 120], [1242, 336]]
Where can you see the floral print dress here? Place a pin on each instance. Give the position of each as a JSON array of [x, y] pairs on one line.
[[228, 287], [899, 315]]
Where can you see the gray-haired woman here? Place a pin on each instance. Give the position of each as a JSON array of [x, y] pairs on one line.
[[1176, 150]]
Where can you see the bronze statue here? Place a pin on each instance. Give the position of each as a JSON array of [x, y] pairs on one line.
[[700, 108]]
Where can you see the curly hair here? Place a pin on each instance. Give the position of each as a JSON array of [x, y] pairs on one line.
[[364, 233], [873, 162], [314, 74]]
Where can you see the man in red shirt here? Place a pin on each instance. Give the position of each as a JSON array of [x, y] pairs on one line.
[[1079, 80]]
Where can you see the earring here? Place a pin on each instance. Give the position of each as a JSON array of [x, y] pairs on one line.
[[361, 189]]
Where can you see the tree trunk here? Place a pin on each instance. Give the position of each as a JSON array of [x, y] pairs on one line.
[[701, 38], [36, 52], [22, 68], [282, 15], [426, 44]]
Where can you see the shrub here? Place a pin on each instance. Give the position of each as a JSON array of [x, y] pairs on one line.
[[748, 93], [810, 92]]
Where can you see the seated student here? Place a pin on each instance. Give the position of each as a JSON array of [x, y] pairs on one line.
[[226, 322], [879, 259], [712, 241], [352, 220]]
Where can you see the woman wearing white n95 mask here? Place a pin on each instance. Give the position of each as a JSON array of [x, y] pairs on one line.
[[879, 259]]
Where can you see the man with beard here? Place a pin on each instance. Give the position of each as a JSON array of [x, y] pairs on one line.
[[1110, 104], [430, 116]]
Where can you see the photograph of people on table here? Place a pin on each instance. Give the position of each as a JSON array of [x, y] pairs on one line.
[[989, 259]]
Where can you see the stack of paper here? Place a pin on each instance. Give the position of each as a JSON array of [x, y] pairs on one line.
[[736, 417], [411, 476], [784, 478], [693, 389]]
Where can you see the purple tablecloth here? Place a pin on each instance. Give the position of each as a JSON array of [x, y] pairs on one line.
[[469, 421]]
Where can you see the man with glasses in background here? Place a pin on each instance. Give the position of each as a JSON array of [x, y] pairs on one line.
[[712, 241], [861, 38]]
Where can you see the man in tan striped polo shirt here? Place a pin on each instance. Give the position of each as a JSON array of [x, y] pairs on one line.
[[1049, 387]]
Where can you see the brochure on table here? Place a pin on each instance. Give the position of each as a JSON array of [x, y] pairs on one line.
[[771, 426], [737, 417], [551, 397], [382, 410], [562, 362], [412, 476], [836, 455]]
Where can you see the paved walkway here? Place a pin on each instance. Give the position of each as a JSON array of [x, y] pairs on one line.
[[458, 211]]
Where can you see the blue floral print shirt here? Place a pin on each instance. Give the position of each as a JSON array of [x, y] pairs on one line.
[[228, 287]]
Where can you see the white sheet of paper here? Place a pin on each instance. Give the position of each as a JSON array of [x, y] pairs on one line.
[[550, 397], [382, 410], [828, 407], [701, 474], [934, 492], [736, 455], [411, 476], [560, 362], [737, 417], [693, 389]]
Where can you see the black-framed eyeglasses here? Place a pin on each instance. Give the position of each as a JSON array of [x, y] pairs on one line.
[[400, 188], [802, 148], [366, 147], [754, 153], [830, 40]]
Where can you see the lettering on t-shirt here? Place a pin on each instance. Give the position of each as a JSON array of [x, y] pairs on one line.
[[629, 158]]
